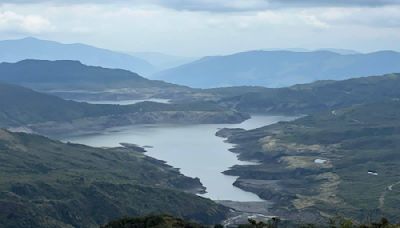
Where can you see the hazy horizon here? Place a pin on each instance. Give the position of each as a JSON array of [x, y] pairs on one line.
[[138, 53], [200, 28]]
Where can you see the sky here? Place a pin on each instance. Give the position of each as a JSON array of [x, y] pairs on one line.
[[207, 27]]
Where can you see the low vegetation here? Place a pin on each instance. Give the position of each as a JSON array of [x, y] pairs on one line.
[[46, 183], [311, 98], [166, 221], [344, 162], [50, 115]]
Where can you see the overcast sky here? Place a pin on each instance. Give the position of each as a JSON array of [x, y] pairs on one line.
[[207, 27]]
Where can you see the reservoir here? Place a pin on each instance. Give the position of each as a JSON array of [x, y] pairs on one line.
[[126, 102], [194, 149]]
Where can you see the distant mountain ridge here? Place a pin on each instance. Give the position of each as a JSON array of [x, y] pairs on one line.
[[76, 80], [279, 68], [71, 73], [163, 61], [72, 80], [33, 48], [335, 50]]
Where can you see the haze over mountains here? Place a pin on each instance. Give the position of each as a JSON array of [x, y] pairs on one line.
[[269, 68], [163, 61], [74, 80], [279, 68], [335, 50], [32, 48], [71, 74]]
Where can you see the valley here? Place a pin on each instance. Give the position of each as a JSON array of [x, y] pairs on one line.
[[297, 151], [187, 119], [51, 115]]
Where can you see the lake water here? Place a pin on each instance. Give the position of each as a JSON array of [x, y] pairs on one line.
[[126, 102], [193, 148]]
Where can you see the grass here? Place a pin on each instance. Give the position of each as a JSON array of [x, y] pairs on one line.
[[45, 183], [354, 140]]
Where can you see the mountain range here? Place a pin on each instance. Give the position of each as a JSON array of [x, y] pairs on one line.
[[279, 68], [70, 74], [163, 61], [68, 78], [268, 68], [33, 48]]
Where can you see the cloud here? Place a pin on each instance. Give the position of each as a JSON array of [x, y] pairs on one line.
[[336, 3], [258, 5], [14, 22], [222, 5], [378, 18], [139, 26]]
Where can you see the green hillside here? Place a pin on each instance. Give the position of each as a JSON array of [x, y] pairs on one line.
[[21, 107], [46, 183], [313, 97], [74, 80], [344, 161], [70, 74]]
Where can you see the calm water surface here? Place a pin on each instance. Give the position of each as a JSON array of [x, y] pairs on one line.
[[193, 148], [126, 102]]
